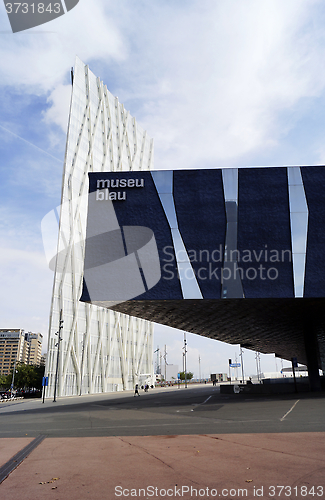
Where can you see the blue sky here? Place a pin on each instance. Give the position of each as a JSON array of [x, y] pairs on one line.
[[216, 83]]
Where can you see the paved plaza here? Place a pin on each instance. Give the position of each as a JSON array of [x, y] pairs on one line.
[[173, 443]]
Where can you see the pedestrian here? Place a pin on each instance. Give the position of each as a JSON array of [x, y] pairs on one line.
[[136, 390]]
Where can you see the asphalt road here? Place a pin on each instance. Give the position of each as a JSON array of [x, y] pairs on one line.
[[195, 410]]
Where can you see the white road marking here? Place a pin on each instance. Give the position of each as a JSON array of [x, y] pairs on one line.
[[109, 407], [207, 399], [292, 407]]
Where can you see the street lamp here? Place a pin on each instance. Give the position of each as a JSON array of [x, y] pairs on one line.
[[257, 367], [185, 351], [13, 377], [242, 364], [157, 351], [58, 356], [82, 362], [165, 358]]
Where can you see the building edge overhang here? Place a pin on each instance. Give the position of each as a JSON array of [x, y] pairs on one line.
[[266, 325], [240, 167]]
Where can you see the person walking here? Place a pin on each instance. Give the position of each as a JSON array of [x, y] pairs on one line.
[[136, 390]]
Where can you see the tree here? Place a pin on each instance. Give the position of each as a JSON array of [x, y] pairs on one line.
[[189, 375], [27, 376], [4, 381]]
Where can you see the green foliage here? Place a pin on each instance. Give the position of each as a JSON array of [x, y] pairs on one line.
[[27, 377], [4, 381], [189, 375]]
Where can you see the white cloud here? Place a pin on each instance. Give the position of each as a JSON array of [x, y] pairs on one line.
[[58, 112], [210, 78], [228, 73], [214, 354], [25, 293], [38, 60]]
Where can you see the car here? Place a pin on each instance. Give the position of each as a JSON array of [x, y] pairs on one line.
[[5, 394]]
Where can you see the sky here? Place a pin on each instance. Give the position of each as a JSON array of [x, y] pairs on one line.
[[216, 83]]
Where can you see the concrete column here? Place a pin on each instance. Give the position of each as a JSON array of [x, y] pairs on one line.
[[321, 347], [311, 347]]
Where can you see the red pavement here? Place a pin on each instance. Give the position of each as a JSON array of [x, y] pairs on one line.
[[91, 468], [10, 446]]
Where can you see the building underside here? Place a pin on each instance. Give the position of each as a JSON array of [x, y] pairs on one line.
[[277, 326]]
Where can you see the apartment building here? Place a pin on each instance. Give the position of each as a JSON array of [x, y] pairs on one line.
[[16, 345], [12, 347], [33, 343]]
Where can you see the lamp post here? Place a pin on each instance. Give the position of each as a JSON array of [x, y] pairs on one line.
[[157, 351], [185, 351], [242, 364], [58, 355], [257, 367], [82, 362], [13, 377], [165, 358]]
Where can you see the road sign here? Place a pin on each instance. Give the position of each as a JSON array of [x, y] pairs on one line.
[[234, 365]]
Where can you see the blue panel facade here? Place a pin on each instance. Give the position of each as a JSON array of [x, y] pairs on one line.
[[264, 231], [314, 183], [200, 209]]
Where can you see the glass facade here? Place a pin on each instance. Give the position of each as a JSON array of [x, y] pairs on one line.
[[101, 350], [299, 227], [163, 181], [231, 283]]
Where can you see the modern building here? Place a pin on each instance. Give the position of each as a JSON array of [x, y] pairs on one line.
[[241, 253], [43, 359], [219, 377], [18, 346], [33, 347], [12, 349], [100, 350]]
